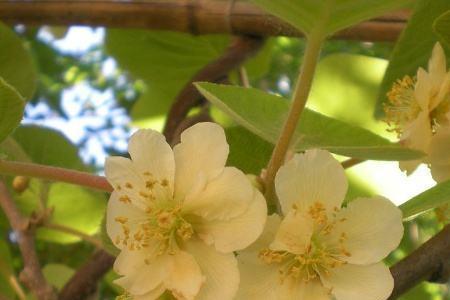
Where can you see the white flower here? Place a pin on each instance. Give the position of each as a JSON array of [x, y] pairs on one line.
[[320, 250], [177, 216], [418, 107]]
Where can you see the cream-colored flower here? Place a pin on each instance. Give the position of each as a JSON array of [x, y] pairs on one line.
[[418, 107], [177, 216], [439, 156], [320, 250]]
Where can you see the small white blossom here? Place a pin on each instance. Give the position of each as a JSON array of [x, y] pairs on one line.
[[419, 107], [177, 216], [320, 250]]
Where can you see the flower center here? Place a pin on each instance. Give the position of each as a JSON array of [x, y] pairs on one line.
[[163, 222], [321, 254], [402, 107]]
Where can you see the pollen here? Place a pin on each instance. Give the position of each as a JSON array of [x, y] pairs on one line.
[[125, 199], [128, 185], [402, 107]]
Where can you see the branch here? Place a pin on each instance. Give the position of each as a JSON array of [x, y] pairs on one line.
[[351, 162], [237, 53], [193, 16], [31, 275], [55, 174], [84, 282], [431, 262]]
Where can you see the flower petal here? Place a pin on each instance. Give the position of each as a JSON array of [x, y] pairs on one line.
[[153, 294], [310, 177], [352, 282], [293, 288], [151, 153], [266, 238], [116, 210], [258, 280], [440, 147], [203, 149], [437, 65], [186, 278], [140, 277], [220, 271], [440, 173], [372, 228], [226, 196], [236, 233], [294, 234], [422, 90]]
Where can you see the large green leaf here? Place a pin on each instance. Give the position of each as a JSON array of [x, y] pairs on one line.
[[11, 109], [16, 63], [264, 114], [49, 147], [165, 61], [432, 198], [442, 27], [346, 88], [328, 16], [74, 206], [413, 49]]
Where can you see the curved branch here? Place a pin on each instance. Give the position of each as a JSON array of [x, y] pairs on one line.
[[193, 16], [237, 53], [55, 174], [84, 282], [31, 274], [430, 262]]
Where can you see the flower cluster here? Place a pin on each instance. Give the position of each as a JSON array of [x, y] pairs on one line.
[[178, 217], [419, 111]]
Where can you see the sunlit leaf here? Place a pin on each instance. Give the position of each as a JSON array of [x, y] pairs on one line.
[[11, 109], [442, 27], [57, 274], [413, 49], [432, 198], [16, 63], [328, 16], [264, 114]]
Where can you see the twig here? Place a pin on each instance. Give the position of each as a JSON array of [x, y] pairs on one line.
[[300, 96], [239, 51], [16, 287], [84, 282], [431, 262], [55, 174], [31, 275], [58, 227], [245, 82], [351, 162], [193, 16]]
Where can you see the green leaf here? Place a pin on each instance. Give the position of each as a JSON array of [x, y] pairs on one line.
[[442, 27], [264, 114], [354, 81], [6, 269], [57, 274], [328, 16], [49, 147], [165, 61], [248, 152], [16, 63], [413, 49], [12, 106], [432, 198]]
